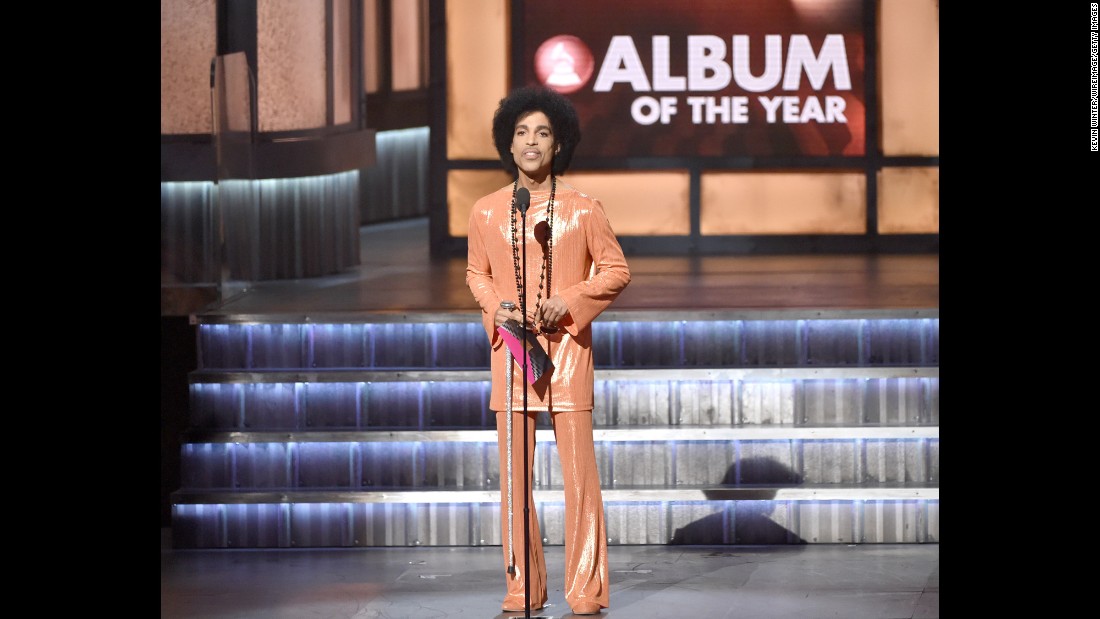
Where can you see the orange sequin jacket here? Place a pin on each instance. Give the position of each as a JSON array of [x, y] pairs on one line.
[[588, 271]]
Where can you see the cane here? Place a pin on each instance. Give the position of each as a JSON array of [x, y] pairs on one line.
[[509, 305]]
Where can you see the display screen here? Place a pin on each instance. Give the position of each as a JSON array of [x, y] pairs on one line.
[[709, 78]]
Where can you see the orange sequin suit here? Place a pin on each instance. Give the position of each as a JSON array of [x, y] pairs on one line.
[[588, 271]]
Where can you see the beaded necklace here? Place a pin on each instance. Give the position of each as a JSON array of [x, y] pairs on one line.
[[547, 258]]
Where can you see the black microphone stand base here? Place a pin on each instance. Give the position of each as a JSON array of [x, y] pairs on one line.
[[514, 614]]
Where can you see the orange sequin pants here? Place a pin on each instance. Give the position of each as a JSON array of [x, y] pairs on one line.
[[585, 529]]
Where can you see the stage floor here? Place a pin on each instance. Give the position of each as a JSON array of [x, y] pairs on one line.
[[396, 274], [868, 581]]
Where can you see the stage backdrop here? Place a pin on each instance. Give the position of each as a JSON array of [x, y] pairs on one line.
[[715, 126]]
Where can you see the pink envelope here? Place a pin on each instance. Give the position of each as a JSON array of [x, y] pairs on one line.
[[538, 363]]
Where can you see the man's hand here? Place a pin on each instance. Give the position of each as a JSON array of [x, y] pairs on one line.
[[552, 311], [507, 311]]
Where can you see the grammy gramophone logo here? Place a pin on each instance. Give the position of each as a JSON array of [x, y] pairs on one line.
[[564, 63]]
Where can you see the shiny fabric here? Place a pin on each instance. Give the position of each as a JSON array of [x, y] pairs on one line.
[[588, 272], [586, 571]]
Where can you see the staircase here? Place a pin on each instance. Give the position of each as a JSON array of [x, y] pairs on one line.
[[711, 427]]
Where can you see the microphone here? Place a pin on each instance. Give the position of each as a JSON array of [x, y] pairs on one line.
[[523, 200]]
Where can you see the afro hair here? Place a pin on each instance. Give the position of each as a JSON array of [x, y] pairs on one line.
[[563, 122]]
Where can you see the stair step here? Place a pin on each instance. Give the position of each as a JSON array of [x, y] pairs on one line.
[[448, 399], [271, 376], [626, 341], [216, 317], [616, 434], [879, 492]]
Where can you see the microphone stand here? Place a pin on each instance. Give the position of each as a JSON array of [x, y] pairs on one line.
[[526, 457]]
